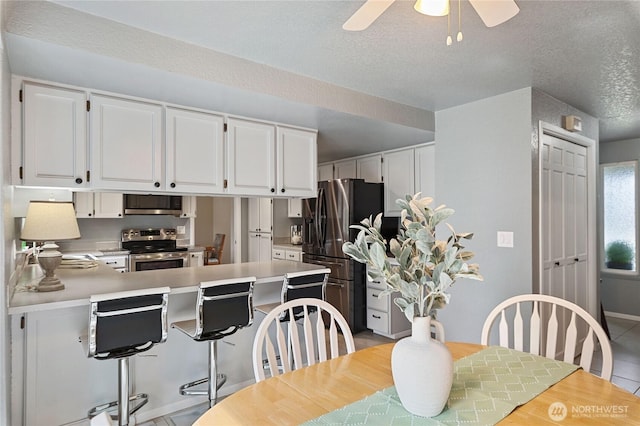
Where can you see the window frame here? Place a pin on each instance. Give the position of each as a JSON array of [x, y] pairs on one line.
[[603, 267]]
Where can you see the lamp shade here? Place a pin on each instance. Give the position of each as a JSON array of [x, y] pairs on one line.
[[50, 221], [432, 7]]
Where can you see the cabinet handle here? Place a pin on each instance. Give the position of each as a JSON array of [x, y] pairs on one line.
[[78, 181], [376, 316], [374, 295], [576, 259], [157, 184], [273, 190], [282, 190], [119, 214], [89, 214], [173, 184], [557, 263]]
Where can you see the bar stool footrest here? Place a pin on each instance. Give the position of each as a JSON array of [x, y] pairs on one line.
[[141, 398], [186, 389]]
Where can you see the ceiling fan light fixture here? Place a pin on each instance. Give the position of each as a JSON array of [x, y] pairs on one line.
[[432, 7]]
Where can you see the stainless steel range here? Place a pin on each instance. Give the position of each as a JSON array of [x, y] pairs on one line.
[[153, 249]]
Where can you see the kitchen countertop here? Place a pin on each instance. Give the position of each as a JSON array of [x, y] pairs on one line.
[[80, 284]]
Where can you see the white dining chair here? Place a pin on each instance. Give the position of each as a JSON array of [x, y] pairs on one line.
[[280, 347], [543, 326]]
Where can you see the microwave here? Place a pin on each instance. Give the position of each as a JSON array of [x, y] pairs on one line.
[[152, 204]]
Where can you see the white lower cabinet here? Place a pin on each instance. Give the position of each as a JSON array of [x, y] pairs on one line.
[[383, 316], [119, 263], [282, 253], [259, 247], [196, 258]]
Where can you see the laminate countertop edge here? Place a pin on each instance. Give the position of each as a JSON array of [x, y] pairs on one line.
[[80, 284]]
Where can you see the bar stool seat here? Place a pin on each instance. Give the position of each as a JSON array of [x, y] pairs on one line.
[[121, 325], [222, 308]]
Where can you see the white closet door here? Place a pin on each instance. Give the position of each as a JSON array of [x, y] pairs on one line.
[[564, 222]]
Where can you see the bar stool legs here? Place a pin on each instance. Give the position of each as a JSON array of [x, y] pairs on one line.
[[125, 408], [214, 380]]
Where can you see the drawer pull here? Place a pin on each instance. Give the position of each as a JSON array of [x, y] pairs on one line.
[[374, 295], [376, 316]]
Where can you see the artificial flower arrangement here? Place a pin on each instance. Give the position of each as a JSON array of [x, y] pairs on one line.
[[425, 267]]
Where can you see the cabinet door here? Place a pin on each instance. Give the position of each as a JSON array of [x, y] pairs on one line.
[[297, 162], [398, 169], [325, 172], [260, 247], [294, 208], [83, 203], [196, 259], [126, 144], [370, 168], [251, 165], [107, 204], [55, 137], [265, 247], [259, 214], [188, 206], [345, 169], [194, 151], [425, 163]]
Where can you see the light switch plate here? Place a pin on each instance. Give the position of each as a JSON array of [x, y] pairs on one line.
[[505, 239], [180, 229]]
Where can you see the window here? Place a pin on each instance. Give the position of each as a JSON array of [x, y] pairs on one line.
[[619, 216]]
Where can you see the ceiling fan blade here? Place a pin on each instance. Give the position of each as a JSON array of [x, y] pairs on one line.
[[495, 12], [368, 12]]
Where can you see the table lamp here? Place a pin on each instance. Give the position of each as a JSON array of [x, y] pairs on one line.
[[50, 221]]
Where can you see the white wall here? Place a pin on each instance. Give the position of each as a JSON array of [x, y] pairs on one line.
[[483, 172]]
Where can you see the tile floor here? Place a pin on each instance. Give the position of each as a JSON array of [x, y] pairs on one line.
[[625, 342]]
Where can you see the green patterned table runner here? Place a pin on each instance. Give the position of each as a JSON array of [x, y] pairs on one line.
[[487, 386]]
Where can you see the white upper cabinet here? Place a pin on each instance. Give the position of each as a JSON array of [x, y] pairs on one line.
[[345, 169], [425, 173], [98, 204], [251, 163], [126, 144], [194, 151], [398, 171], [325, 172], [294, 207], [297, 162], [189, 204], [370, 168], [55, 136], [260, 214]]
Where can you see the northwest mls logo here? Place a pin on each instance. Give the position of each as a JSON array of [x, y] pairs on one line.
[[557, 411]]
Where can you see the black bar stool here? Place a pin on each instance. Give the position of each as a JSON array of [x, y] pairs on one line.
[[222, 308], [298, 285], [121, 325]]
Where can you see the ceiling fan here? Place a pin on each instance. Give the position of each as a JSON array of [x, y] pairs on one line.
[[492, 12]]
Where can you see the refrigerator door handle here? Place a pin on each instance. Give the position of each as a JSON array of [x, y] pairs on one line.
[[319, 218]]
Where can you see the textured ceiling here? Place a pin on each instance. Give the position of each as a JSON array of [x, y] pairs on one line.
[[585, 53]]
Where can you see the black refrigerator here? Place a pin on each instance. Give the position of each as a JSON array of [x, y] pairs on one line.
[[339, 204]]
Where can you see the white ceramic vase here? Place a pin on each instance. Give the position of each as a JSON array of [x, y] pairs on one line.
[[422, 370]]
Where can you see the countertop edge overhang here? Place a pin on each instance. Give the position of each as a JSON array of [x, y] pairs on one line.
[[80, 284]]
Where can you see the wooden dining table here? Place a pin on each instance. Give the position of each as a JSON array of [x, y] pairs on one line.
[[310, 392]]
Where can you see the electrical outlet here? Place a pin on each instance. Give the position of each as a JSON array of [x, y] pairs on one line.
[[180, 229], [505, 239]]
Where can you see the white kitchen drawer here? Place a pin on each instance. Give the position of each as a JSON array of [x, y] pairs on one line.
[[116, 262], [374, 302], [279, 254], [378, 321], [294, 255], [380, 283]]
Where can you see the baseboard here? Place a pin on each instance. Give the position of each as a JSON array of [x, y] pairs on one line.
[[188, 402], [622, 316]]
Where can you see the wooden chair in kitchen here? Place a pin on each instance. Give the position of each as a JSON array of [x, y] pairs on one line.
[[213, 254], [543, 326], [222, 308], [121, 325], [277, 347]]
